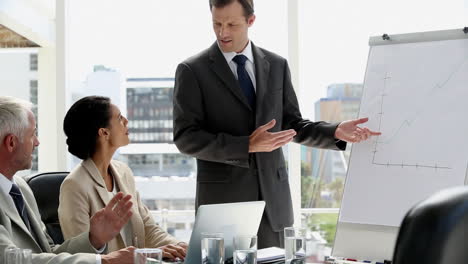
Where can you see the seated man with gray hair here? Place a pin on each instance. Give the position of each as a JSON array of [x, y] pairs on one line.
[[20, 221]]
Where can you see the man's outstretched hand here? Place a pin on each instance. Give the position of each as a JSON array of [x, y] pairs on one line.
[[349, 131], [263, 141]]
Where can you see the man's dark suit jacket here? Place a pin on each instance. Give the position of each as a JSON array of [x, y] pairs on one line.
[[213, 121]]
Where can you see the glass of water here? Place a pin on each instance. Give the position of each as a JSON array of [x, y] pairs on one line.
[[245, 249], [148, 256], [212, 248], [12, 255], [295, 245], [17, 256], [26, 256]]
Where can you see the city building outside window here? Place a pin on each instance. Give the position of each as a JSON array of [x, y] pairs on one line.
[[19, 78]]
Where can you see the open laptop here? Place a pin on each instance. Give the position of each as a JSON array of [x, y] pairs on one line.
[[231, 219]]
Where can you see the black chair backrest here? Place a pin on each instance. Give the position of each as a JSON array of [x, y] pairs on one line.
[[435, 231], [46, 189]]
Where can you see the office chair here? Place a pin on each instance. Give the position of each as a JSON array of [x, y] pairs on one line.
[[46, 189], [435, 231]]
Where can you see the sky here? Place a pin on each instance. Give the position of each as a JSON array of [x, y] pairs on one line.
[[148, 38]]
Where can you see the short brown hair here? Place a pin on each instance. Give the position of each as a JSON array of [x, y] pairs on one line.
[[247, 5]]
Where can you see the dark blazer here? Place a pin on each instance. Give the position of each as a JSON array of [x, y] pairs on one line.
[[213, 121]]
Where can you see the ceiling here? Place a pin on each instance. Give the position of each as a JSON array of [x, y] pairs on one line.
[[10, 39]]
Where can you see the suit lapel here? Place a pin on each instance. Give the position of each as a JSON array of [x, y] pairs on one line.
[[10, 210], [123, 187], [100, 186], [220, 67], [262, 71], [9, 207], [36, 227]]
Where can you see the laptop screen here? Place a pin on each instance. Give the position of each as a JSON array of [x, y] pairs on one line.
[[231, 219]]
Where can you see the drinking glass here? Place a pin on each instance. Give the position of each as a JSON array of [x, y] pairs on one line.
[[26, 256], [212, 247], [17, 256], [148, 256], [245, 249], [294, 245], [12, 255]]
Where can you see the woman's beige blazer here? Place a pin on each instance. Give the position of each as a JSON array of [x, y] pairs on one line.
[[84, 192]]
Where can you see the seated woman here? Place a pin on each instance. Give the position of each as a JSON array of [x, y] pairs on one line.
[[95, 129]]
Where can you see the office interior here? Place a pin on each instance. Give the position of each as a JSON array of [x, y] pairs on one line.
[[53, 52]]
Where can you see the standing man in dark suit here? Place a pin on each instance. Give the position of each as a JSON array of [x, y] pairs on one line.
[[234, 107]]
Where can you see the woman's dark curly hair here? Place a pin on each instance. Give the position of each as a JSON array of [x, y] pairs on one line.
[[82, 123]]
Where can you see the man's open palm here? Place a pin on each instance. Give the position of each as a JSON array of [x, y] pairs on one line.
[[349, 131]]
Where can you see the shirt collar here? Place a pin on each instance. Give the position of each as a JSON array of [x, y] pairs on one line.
[[6, 184], [246, 52]]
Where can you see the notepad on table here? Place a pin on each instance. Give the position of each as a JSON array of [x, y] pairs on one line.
[[271, 254]]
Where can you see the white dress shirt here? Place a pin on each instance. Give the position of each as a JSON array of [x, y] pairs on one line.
[[5, 187], [249, 64]]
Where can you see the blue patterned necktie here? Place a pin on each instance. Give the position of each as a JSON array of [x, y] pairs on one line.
[[17, 196], [244, 80]]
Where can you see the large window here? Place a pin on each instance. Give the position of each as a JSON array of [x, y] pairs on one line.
[[129, 51], [18, 78], [334, 37]]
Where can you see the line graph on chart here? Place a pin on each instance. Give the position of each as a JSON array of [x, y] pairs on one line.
[[415, 94], [404, 120]]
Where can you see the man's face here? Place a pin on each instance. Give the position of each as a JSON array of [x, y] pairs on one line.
[[23, 153], [231, 27]]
